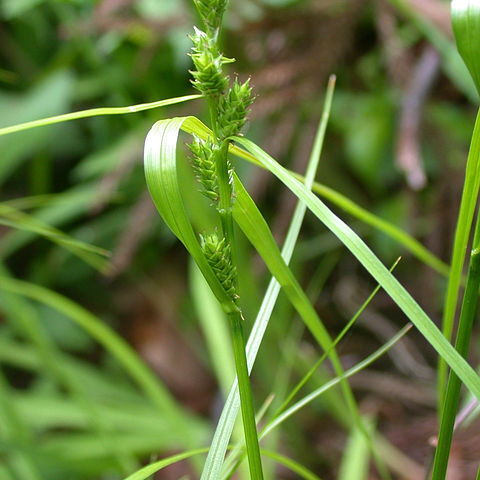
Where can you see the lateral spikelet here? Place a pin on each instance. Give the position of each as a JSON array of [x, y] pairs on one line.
[[218, 254], [233, 109], [203, 163]]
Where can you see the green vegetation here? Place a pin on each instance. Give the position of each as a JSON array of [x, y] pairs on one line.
[[113, 354]]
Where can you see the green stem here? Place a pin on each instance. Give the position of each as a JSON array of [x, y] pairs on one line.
[[467, 316], [224, 208], [225, 192], [246, 400], [225, 199], [462, 233]]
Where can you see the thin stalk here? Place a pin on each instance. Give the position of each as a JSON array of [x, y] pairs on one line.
[[224, 207], [225, 195], [464, 332], [246, 401], [462, 233], [337, 340]]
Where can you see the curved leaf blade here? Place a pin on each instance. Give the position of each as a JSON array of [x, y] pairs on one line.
[[466, 27]]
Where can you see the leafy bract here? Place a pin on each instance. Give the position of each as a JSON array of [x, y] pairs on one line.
[[94, 112]]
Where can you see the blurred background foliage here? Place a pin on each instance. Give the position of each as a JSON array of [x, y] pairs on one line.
[[396, 145]]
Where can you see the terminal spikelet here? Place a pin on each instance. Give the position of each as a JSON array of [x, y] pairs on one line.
[[211, 12]]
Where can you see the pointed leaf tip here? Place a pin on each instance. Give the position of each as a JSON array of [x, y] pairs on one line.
[[466, 27]]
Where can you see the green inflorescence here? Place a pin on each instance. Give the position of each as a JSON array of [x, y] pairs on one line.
[[230, 107], [218, 253], [203, 162], [208, 77], [211, 12], [233, 109]]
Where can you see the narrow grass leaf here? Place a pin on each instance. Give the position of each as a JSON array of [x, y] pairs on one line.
[[292, 465], [95, 112], [462, 234], [462, 345], [94, 256], [331, 383], [401, 237], [59, 209], [355, 458], [146, 472]]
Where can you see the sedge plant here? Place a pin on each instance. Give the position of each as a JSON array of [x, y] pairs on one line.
[[215, 251], [228, 107]]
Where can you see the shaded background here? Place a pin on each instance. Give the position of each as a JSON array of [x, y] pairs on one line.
[[396, 145]]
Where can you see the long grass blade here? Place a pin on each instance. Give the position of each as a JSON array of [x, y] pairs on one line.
[[355, 458], [95, 112], [292, 465], [330, 384], [462, 345], [94, 256], [462, 233], [146, 472]]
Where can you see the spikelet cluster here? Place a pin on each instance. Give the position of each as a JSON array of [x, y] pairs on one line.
[[203, 162], [211, 12], [230, 107], [233, 109], [219, 257]]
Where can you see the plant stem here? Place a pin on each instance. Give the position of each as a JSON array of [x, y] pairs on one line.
[[246, 400], [467, 316], [225, 195], [224, 208], [462, 233]]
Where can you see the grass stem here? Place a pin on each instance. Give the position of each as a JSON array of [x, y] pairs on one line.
[[464, 332], [246, 399], [462, 233]]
